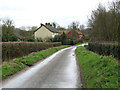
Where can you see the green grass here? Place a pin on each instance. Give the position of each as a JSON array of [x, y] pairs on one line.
[[97, 71], [79, 43], [18, 64]]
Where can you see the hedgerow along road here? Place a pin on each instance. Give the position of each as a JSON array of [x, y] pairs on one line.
[[60, 70]]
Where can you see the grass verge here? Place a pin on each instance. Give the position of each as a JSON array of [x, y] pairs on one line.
[[18, 64], [97, 71], [79, 43]]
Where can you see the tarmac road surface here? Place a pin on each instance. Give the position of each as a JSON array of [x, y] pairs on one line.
[[60, 70]]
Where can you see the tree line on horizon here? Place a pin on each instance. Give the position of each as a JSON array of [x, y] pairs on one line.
[[8, 30]]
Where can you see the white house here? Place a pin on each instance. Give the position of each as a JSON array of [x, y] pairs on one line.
[[45, 31]]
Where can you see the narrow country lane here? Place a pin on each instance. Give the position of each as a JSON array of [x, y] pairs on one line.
[[59, 70]]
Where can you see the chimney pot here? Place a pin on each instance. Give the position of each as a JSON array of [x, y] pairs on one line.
[[46, 23], [41, 24]]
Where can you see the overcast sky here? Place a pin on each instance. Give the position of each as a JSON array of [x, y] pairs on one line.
[[34, 12]]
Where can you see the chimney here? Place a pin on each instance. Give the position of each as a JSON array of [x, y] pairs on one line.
[[41, 24], [46, 23]]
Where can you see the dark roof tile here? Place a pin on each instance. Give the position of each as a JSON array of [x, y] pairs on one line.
[[19, 36], [52, 29]]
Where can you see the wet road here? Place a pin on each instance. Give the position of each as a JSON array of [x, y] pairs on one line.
[[60, 70]]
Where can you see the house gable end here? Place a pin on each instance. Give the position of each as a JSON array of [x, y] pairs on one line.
[[43, 33]]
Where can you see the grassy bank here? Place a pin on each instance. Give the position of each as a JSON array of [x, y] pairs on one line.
[[79, 43], [18, 64], [98, 71]]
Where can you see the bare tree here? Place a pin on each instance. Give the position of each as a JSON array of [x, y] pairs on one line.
[[105, 23], [55, 25], [22, 28], [82, 27], [7, 29], [74, 25]]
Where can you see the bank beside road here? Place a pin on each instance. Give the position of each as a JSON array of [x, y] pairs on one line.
[[97, 71], [10, 68]]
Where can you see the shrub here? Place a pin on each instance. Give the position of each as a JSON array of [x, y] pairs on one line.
[[30, 40], [13, 38], [66, 42], [57, 38], [11, 50], [105, 48], [39, 40], [71, 42]]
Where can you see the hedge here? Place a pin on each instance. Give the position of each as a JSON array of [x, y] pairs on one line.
[[105, 48], [71, 42], [11, 50]]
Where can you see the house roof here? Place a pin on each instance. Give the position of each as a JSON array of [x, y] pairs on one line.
[[74, 34], [18, 36], [52, 29], [65, 31], [77, 32]]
